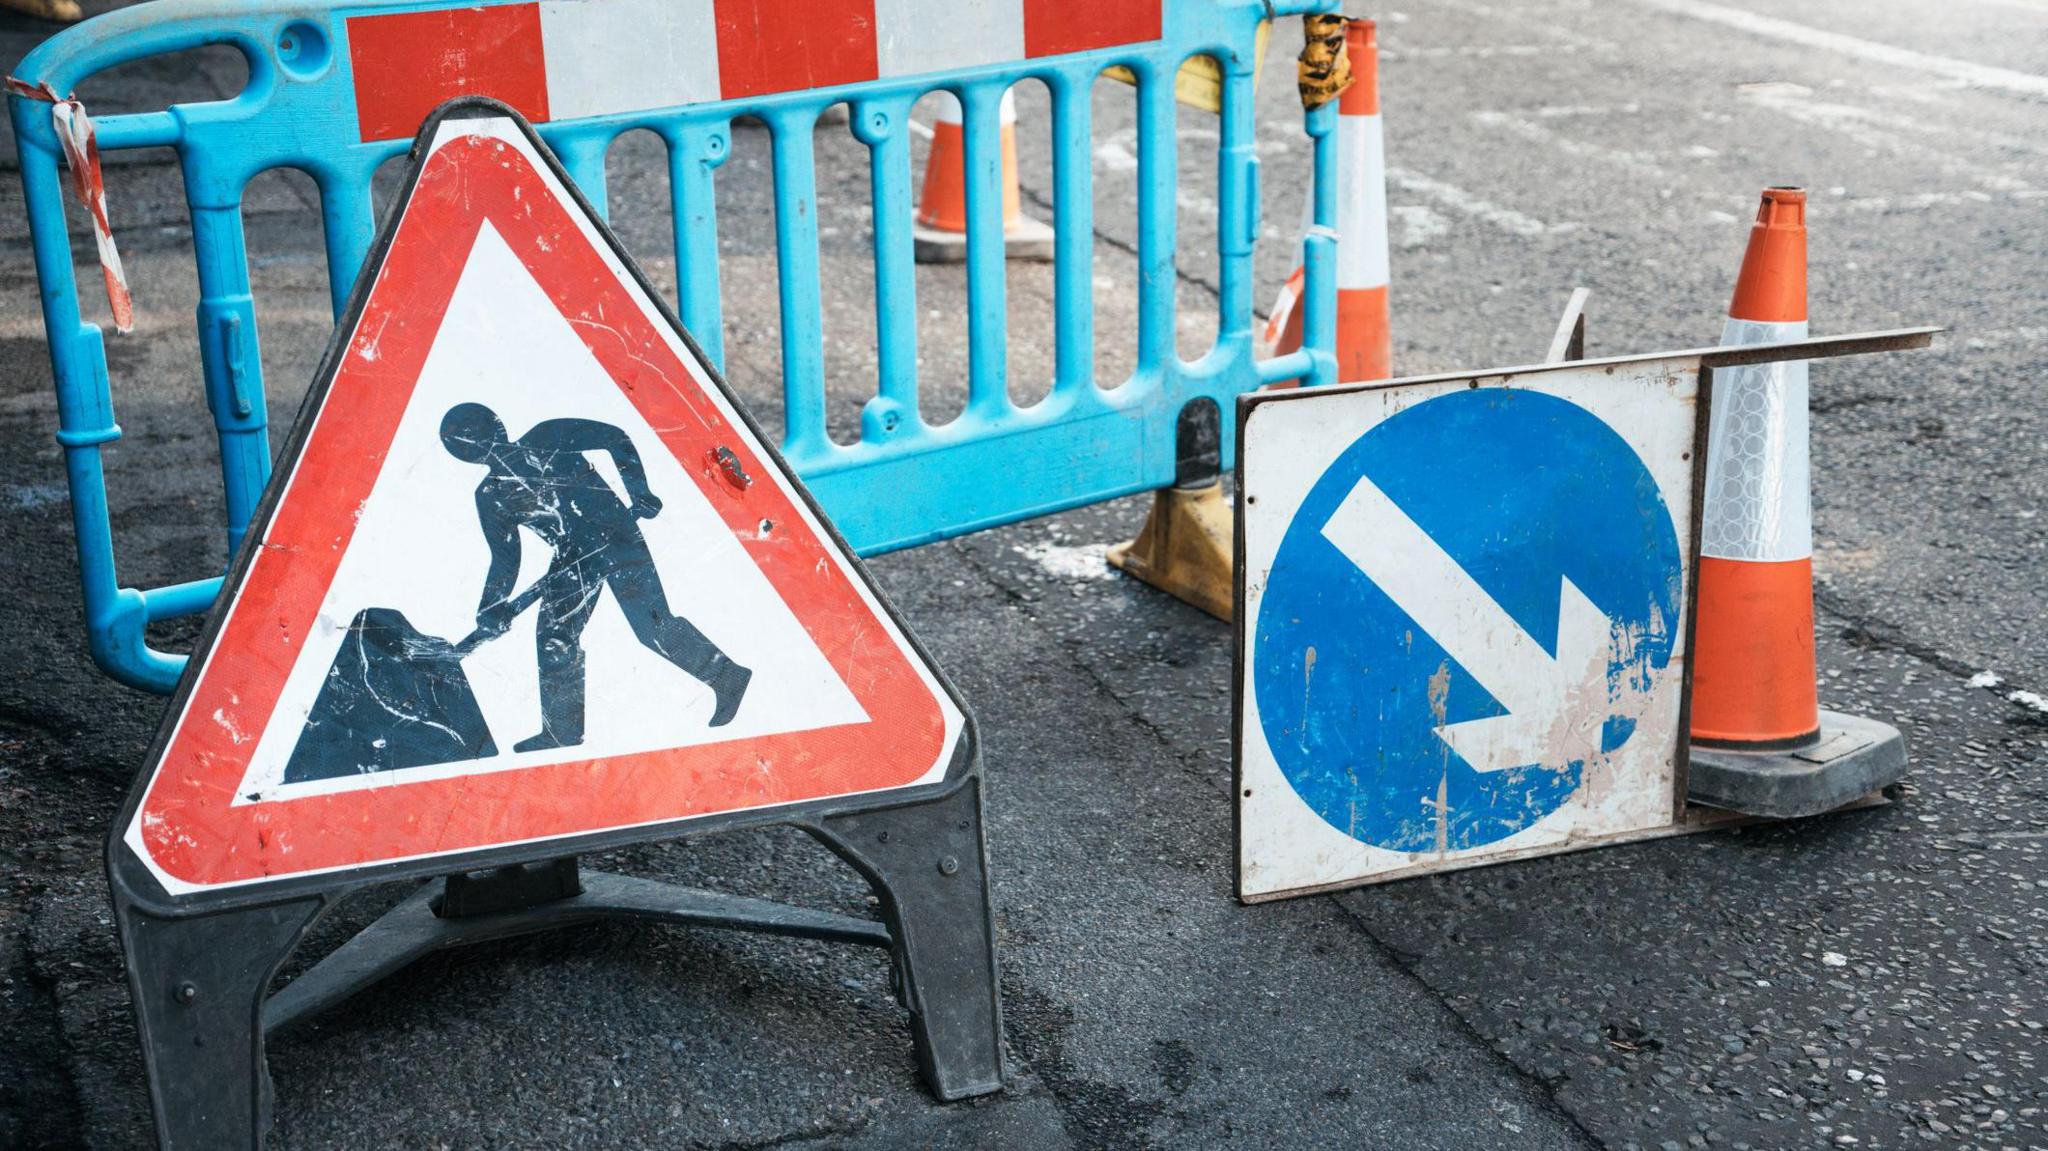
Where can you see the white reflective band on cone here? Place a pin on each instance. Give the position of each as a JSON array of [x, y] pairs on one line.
[[1361, 203], [1757, 455], [1362, 260]]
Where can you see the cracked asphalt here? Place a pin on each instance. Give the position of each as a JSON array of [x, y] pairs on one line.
[[1875, 979]]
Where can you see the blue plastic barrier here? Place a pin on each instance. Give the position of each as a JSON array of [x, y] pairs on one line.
[[905, 481]]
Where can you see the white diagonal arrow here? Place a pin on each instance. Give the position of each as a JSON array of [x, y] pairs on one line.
[[1556, 704]]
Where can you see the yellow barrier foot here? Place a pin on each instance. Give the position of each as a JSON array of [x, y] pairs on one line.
[[61, 11], [1186, 549]]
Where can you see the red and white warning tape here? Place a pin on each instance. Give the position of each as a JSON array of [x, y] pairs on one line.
[[570, 59], [82, 156]]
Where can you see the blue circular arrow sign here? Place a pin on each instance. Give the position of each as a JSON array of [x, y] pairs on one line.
[[1469, 606]]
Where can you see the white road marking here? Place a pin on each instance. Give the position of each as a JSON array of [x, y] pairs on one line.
[[1069, 563], [2040, 6], [1459, 200], [1975, 75], [1543, 24], [1479, 51], [1415, 225], [1782, 95], [1881, 132], [1554, 111], [1642, 163]]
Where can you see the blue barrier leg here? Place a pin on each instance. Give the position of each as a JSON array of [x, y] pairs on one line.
[[804, 439], [349, 220], [228, 358], [894, 410], [1073, 176], [1319, 254], [988, 366], [1158, 219], [694, 154]]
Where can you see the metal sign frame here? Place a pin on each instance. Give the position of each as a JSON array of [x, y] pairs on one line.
[[200, 964], [1685, 818]]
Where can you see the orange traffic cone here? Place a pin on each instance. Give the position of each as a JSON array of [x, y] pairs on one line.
[[1761, 743], [940, 233], [1365, 343], [1754, 679]]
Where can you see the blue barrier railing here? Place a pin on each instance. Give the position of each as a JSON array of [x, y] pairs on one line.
[[906, 480]]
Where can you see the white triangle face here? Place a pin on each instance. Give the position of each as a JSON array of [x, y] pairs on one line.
[[505, 344], [524, 575]]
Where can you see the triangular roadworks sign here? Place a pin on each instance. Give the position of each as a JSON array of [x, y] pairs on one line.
[[525, 573]]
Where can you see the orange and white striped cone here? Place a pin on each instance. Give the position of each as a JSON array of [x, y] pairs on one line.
[[1761, 742], [1754, 681], [940, 231], [1365, 341]]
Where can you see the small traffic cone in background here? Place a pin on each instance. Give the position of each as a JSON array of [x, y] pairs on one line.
[[940, 233], [1760, 741], [1365, 342]]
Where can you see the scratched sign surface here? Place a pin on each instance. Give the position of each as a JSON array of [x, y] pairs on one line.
[[1464, 612], [526, 573]]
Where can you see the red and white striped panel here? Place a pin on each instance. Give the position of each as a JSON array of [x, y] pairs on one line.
[[567, 59]]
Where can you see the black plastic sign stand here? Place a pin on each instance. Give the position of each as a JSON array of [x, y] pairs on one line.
[[199, 974], [200, 963]]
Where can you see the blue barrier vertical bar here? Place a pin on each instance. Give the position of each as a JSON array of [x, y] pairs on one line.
[[883, 126], [1319, 254], [1157, 218], [1237, 203], [85, 416], [1073, 206], [582, 154], [694, 153], [350, 220], [228, 356], [796, 253], [988, 367]]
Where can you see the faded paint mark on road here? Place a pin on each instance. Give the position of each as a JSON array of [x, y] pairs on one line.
[[1855, 48]]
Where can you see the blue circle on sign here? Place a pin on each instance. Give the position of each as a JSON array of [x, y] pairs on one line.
[[1521, 490]]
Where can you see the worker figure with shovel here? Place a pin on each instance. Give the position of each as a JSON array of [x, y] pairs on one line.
[[542, 481]]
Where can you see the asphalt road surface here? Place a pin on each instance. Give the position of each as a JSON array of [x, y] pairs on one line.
[[1875, 980]]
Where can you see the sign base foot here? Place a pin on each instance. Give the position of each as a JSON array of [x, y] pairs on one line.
[[430, 921], [199, 977], [198, 984], [927, 865]]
